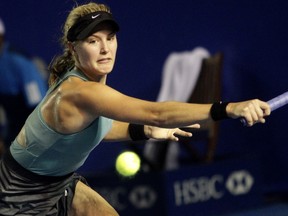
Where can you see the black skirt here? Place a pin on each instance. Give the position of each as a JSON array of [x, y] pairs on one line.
[[24, 193]]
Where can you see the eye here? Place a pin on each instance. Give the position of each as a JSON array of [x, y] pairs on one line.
[[111, 37], [92, 41]]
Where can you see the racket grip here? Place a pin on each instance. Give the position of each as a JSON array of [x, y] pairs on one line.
[[243, 121]]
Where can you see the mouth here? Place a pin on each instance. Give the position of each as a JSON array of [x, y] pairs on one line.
[[104, 60]]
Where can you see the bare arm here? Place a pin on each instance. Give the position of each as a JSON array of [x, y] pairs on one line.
[[170, 114], [119, 132], [112, 104], [77, 103]]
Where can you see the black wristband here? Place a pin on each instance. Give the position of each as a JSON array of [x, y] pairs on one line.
[[218, 111], [136, 132]]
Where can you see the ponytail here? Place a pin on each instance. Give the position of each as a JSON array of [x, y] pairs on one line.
[[59, 65]]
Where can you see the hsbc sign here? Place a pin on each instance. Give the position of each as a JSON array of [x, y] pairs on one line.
[[202, 189], [239, 182], [197, 190], [140, 196]]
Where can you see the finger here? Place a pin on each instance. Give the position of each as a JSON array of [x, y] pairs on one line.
[[249, 119], [262, 120], [190, 128], [252, 109], [254, 116], [265, 108], [174, 138], [193, 126], [182, 133], [260, 114]]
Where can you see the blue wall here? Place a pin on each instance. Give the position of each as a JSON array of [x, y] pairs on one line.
[[251, 34]]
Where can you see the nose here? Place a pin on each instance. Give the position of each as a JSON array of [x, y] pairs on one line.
[[104, 48]]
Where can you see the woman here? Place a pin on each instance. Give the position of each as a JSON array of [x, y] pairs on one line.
[[77, 114]]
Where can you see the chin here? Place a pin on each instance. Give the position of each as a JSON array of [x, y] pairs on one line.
[[105, 70]]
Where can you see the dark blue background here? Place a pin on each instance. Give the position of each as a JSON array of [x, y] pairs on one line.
[[251, 34]]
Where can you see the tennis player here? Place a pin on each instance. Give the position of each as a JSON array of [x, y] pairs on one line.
[[37, 175]]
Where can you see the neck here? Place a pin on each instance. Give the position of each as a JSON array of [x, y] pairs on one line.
[[100, 79], [103, 79]]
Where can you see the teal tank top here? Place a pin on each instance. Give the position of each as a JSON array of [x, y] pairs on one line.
[[54, 154]]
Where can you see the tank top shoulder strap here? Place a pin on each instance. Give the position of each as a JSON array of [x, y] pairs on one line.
[[72, 72], [76, 73]]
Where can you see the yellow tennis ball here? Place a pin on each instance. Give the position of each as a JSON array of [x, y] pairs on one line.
[[128, 163]]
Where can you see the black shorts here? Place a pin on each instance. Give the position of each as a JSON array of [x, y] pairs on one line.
[[24, 193]]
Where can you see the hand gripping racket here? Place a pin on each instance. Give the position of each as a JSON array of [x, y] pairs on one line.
[[274, 104]]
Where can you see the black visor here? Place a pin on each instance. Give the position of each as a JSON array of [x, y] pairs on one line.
[[87, 25]]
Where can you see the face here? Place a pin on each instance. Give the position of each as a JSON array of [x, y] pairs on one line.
[[95, 56]]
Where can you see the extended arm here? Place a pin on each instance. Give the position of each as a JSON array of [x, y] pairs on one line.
[[76, 104], [119, 132]]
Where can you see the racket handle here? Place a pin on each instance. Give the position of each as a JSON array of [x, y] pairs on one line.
[[243, 121]]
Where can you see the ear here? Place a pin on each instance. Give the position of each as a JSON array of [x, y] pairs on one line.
[[71, 47]]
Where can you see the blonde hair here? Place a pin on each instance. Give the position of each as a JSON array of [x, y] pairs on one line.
[[60, 64]]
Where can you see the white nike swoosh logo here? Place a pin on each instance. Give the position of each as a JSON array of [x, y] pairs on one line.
[[94, 17]]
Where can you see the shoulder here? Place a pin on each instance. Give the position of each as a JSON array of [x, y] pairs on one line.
[[76, 84], [77, 92], [62, 109]]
